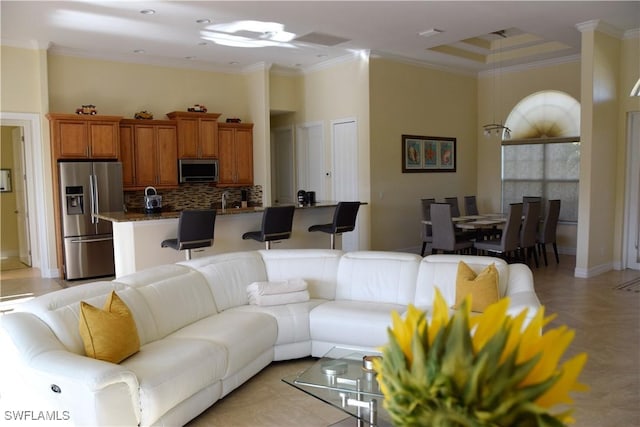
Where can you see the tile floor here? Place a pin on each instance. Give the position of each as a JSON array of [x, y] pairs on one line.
[[606, 321]]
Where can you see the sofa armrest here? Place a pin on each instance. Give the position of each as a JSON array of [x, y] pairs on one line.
[[88, 391], [520, 290]]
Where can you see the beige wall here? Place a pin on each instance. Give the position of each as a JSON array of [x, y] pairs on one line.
[[24, 86], [599, 134], [336, 93], [495, 101], [629, 75], [413, 100], [122, 89], [8, 223]]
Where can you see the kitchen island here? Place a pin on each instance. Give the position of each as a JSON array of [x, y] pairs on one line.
[[137, 236]]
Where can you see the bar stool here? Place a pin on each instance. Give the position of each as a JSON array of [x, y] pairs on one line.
[[344, 220], [277, 222], [195, 230]]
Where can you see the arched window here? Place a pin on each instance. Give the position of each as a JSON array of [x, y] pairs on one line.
[[542, 157]]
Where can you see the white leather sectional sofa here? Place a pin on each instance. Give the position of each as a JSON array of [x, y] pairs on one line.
[[199, 337]]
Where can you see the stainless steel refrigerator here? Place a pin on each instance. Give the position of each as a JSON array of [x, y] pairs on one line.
[[87, 188]]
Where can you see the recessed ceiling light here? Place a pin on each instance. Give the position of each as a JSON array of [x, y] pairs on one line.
[[147, 11], [203, 44], [139, 51], [190, 57], [233, 63], [321, 55], [203, 21]]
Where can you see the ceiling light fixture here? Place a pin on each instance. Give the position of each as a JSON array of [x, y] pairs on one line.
[[497, 128], [139, 51], [147, 11], [430, 32], [203, 21]]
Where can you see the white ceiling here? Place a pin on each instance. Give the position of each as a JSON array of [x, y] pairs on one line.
[[541, 30]]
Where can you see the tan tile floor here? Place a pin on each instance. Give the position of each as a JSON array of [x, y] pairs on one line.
[[606, 321]]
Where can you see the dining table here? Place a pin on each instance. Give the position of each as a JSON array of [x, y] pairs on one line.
[[475, 222]]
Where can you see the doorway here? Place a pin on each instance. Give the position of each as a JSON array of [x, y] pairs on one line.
[[34, 189], [345, 172], [283, 166], [631, 245]]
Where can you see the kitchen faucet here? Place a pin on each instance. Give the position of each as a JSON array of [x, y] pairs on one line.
[[225, 196]]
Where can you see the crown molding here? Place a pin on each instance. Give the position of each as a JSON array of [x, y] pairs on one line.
[[631, 34], [144, 60], [26, 44], [352, 56], [600, 26], [531, 65], [422, 64]]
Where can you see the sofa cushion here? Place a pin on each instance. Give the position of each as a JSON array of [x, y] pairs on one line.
[[172, 370], [244, 335], [355, 323], [317, 267], [441, 270], [228, 275], [292, 319], [387, 277], [176, 296], [482, 287], [109, 333]]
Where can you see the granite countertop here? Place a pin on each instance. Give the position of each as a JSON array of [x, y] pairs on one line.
[[139, 215]]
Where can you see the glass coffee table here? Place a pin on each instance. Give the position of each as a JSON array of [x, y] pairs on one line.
[[344, 379]]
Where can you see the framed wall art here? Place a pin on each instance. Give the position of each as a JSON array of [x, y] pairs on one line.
[[428, 154]]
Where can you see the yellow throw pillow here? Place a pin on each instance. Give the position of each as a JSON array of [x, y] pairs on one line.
[[483, 288], [110, 333]]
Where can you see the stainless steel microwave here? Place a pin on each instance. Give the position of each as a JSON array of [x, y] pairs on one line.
[[198, 170]]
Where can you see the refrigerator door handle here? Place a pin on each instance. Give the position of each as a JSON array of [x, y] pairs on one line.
[[94, 197], [104, 239]]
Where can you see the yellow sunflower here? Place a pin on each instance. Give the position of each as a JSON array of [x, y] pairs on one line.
[[492, 369]]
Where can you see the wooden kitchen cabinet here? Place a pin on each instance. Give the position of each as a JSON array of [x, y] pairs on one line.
[[197, 134], [84, 137], [235, 144], [152, 159]]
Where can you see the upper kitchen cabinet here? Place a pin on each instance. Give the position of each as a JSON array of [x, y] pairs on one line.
[[149, 153], [236, 154], [197, 134], [84, 137]]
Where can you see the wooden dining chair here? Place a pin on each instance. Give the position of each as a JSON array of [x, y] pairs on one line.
[[548, 232], [509, 241], [529, 232], [444, 235]]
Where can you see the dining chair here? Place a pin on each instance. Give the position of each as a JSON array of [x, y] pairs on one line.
[[426, 229], [277, 222], [444, 235], [455, 208], [470, 205], [548, 232], [510, 239], [529, 232]]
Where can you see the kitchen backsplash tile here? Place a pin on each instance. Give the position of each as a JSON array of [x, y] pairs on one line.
[[195, 196]]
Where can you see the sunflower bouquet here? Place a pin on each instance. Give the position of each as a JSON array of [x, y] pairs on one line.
[[486, 370]]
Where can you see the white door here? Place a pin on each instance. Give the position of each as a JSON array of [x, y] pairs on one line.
[[310, 149], [345, 172], [283, 168], [20, 188], [632, 217]]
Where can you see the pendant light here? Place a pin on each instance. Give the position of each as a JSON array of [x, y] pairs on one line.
[[497, 128]]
